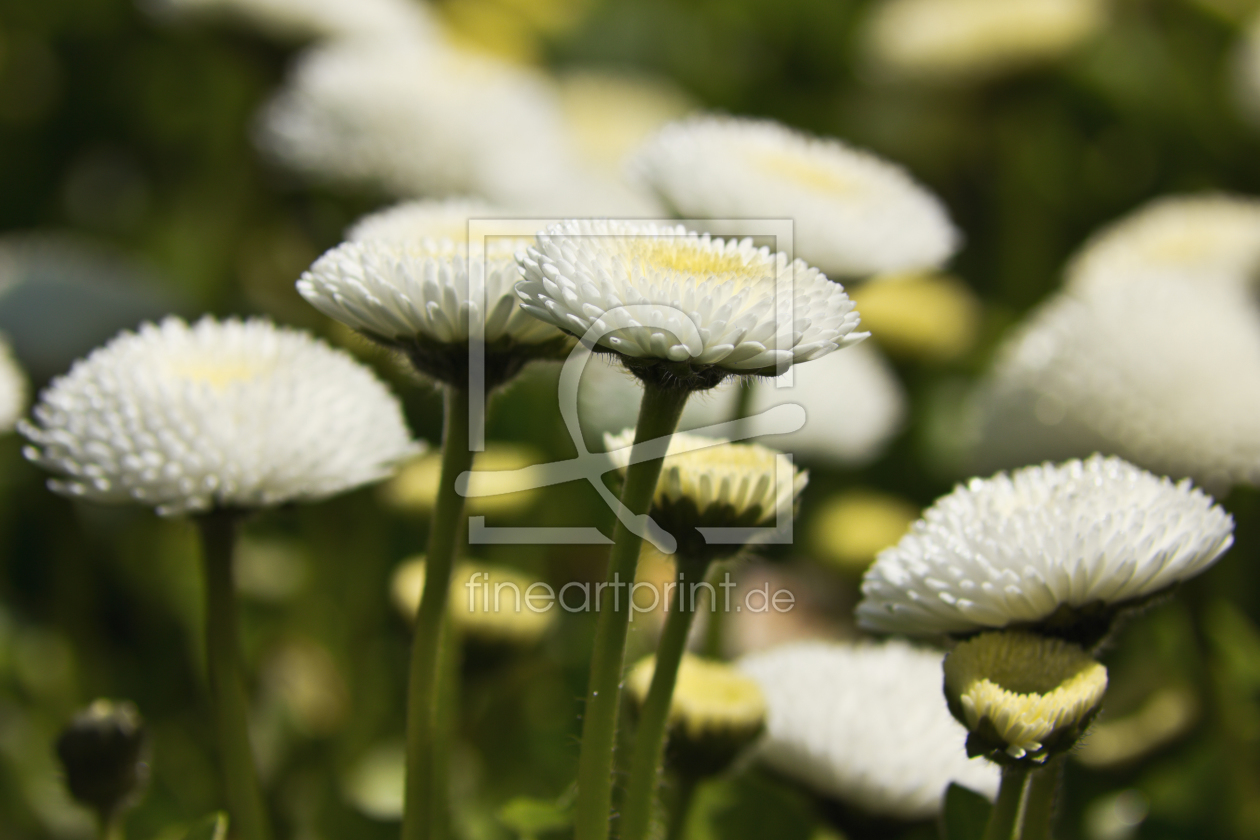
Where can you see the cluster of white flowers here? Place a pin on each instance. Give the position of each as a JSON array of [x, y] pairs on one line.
[[1014, 549], [866, 724], [854, 214], [219, 414]]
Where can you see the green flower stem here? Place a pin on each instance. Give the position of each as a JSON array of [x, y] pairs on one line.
[[424, 759], [684, 792], [649, 744], [447, 708], [715, 630], [230, 707], [109, 827], [1043, 786], [658, 416], [1007, 815]]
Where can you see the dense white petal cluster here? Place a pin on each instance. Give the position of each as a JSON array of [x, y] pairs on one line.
[[423, 219], [1197, 238], [1013, 549], [418, 119], [866, 724], [1165, 373], [962, 40], [420, 290], [853, 401], [853, 214], [714, 303], [301, 19], [13, 388], [218, 414], [735, 479]]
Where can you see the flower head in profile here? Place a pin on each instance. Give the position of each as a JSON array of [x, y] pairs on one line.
[[970, 40], [1058, 548], [853, 214], [1195, 238], [686, 307], [224, 414], [1021, 695], [709, 482], [420, 297], [865, 724]]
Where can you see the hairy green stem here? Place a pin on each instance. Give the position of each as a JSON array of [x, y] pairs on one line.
[[649, 744], [425, 761], [658, 416], [230, 707], [1007, 815], [1043, 786]]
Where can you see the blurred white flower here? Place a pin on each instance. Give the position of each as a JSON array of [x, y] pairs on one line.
[[711, 699], [965, 40], [416, 296], [219, 414], [418, 119], [1165, 373], [610, 114], [423, 219], [1199, 238], [303, 19], [866, 724], [853, 213], [717, 482], [723, 304], [853, 401], [13, 388], [1055, 543]]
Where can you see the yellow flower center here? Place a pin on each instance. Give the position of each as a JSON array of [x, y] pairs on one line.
[[811, 174], [692, 259], [218, 374], [709, 696]]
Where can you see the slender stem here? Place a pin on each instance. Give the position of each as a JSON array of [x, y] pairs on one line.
[[424, 758], [447, 706], [109, 827], [658, 416], [227, 688], [649, 744], [1004, 820], [685, 791], [715, 631], [1039, 801]]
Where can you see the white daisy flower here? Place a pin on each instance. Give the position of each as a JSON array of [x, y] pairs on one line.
[[965, 40], [423, 219], [416, 296], [13, 388], [853, 213], [708, 307], [1021, 694], [418, 119], [1165, 373], [865, 724], [1059, 547], [305, 19], [1200, 238], [215, 415]]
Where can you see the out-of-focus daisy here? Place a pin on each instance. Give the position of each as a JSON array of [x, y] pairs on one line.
[[1021, 694], [303, 19], [1058, 547], [853, 214], [415, 487], [865, 724], [418, 296], [850, 528], [418, 119], [611, 114], [1165, 373], [411, 221], [927, 316], [215, 415], [1197, 238], [723, 304], [965, 40], [13, 388], [488, 603]]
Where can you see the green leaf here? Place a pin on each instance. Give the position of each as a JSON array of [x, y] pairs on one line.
[[530, 817], [212, 827], [965, 815]]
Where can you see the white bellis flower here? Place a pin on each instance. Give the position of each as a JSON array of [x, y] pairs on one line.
[[661, 296], [865, 724], [1056, 547], [215, 415], [424, 219], [854, 214]]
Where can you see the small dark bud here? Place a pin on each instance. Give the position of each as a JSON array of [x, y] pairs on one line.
[[102, 752]]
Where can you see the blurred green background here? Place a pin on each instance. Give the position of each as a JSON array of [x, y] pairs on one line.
[[130, 187]]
